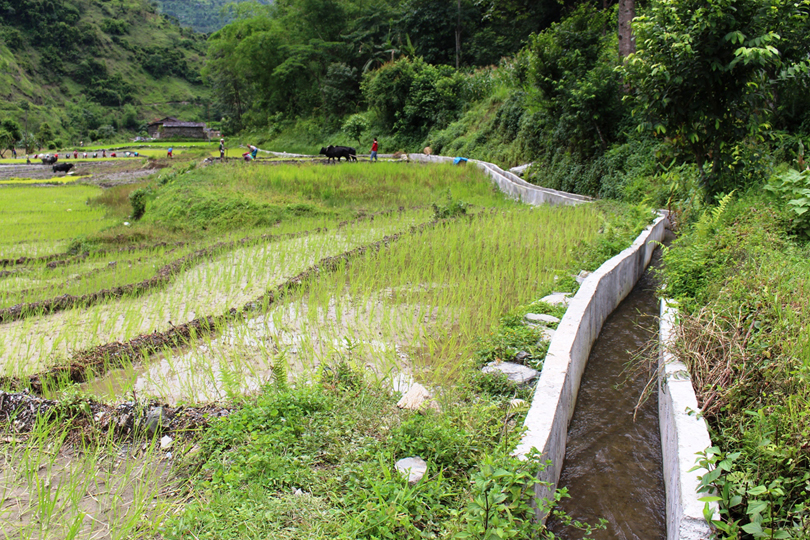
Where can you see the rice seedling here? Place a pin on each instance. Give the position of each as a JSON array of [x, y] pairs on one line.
[[53, 487], [56, 180], [224, 281], [40, 221], [417, 307]]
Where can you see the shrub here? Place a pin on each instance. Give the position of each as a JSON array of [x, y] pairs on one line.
[[450, 209], [138, 200], [355, 125]]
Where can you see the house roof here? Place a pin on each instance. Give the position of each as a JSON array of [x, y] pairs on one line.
[[183, 125], [164, 120]]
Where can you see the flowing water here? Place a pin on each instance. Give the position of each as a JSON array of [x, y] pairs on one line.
[[612, 463]]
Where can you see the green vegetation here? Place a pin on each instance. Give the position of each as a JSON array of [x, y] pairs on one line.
[[345, 435], [246, 195], [41, 221], [204, 16], [707, 117], [399, 306], [743, 286]]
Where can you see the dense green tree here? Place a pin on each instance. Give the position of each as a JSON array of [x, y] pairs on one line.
[[411, 96], [341, 89], [10, 135], [6, 141], [573, 85], [701, 77], [44, 134]]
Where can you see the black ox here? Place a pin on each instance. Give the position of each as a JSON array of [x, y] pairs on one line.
[[63, 167], [49, 160], [332, 152]]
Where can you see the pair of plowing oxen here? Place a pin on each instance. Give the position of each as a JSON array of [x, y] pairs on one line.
[[332, 152]]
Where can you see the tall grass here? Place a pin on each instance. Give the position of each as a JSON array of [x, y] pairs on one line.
[[250, 194]]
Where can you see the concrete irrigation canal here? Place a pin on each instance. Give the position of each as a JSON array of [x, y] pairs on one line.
[[613, 466]]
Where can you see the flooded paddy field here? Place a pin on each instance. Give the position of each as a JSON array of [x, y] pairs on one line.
[[357, 280]]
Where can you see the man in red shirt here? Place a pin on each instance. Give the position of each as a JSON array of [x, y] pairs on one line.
[[374, 150]]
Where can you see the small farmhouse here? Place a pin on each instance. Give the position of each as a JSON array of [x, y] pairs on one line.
[[170, 126]]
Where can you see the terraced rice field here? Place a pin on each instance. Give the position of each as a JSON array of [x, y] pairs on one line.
[[398, 292]]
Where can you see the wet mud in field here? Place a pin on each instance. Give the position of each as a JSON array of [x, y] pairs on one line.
[[613, 466], [97, 360], [19, 413], [104, 173]]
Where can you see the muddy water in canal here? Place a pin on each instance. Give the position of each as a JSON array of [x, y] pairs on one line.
[[612, 463]]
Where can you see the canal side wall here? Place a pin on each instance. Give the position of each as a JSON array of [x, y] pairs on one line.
[[555, 395], [512, 184], [683, 434]]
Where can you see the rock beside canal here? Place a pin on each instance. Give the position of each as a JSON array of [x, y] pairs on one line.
[[557, 299], [541, 318], [412, 468], [516, 373], [417, 398]]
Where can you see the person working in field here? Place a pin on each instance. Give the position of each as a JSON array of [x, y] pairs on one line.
[[251, 154], [169, 152], [222, 149]]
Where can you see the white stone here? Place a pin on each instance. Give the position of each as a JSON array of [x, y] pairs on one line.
[[557, 299], [547, 333], [581, 276], [415, 398], [516, 373], [541, 318], [414, 468], [166, 442]]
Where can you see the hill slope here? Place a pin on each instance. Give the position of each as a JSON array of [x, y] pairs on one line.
[[82, 65], [201, 15]]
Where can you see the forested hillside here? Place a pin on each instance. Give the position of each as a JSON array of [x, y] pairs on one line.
[[202, 15], [300, 58], [89, 68]]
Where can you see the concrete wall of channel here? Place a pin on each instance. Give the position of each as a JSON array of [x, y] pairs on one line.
[[512, 184], [683, 434], [555, 395]]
